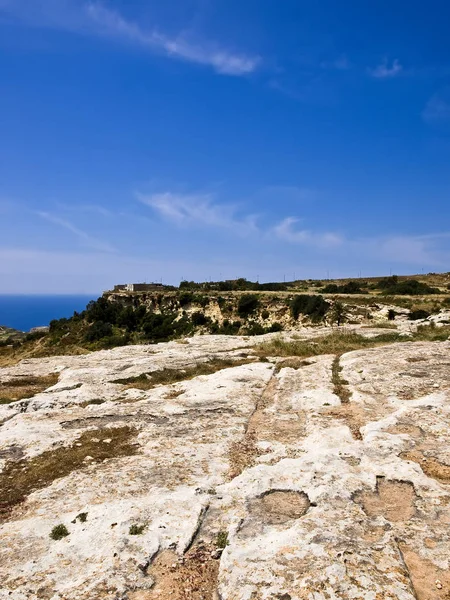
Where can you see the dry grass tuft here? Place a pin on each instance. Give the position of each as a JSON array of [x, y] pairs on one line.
[[19, 478], [336, 342], [147, 381], [341, 341], [291, 363], [25, 387]]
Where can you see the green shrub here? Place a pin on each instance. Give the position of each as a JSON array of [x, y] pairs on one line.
[[265, 314], [186, 298], [82, 517], [59, 532], [199, 318], [415, 315], [312, 306], [410, 287], [98, 330], [352, 287], [35, 335], [255, 329], [331, 288], [338, 313], [248, 303]]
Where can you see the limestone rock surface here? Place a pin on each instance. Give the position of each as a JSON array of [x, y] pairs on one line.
[[258, 481]]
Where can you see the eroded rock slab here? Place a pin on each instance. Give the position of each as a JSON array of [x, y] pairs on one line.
[[255, 482]]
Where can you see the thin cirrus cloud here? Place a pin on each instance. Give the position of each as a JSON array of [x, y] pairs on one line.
[[386, 70], [287, 231], [198, 210], [221, 60], [84, 237], [203, 211], [95, 19]]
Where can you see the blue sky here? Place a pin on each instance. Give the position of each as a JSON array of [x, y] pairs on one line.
[[200, 139]]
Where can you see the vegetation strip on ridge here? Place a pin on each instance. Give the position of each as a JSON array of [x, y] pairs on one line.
[[147, 381]]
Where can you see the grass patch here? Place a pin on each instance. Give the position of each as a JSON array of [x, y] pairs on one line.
[[381, 325], [19, 478], [93, 402], [147, 381], [222, 539], [25, 387], [336, 342], [340, 388], [339, 342], [59, 532], [136, 529]]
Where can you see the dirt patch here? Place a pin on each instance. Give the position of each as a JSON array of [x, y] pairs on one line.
[[407, 429], [21, 477], [192, 577], [147, 381], [429, 582], [429, 465], [242, 453], [287, 430], [25, 387], [393, 500], [279, 506], [352, 415]]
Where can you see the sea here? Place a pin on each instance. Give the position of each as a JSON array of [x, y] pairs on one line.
[[26, 312]]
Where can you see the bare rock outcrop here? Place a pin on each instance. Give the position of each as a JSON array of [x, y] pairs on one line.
[[262, 480]]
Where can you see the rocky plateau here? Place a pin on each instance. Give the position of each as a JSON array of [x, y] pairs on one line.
[[259, 478]]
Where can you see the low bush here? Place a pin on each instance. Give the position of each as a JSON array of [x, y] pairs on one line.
[[98, 330], [136, 529], [198, 318], [312, 306], [409, 287], [59, 532], [415, 315], [247, 304]]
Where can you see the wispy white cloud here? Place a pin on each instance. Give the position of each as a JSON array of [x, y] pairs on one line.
[[95, 18], [198, 210], [223, 61], [84, 237], [438, 107], [287, 231], [386, 70]]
